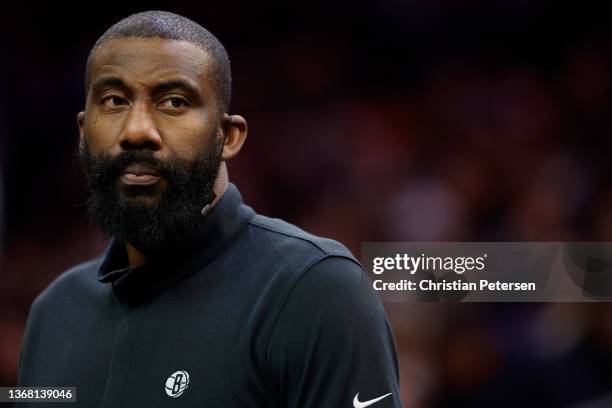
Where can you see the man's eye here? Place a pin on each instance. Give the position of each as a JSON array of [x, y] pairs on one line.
[[113, 101], [174, 103]]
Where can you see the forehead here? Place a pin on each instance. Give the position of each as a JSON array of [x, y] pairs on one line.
[[144, 59]]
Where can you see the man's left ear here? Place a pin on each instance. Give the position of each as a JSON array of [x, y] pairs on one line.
[[235, 128]]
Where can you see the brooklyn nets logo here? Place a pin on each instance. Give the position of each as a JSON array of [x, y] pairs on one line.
[[177, 383]]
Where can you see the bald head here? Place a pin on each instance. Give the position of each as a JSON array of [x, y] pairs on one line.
[[174, 27]]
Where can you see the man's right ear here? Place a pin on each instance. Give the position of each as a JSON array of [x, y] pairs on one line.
[[81, 124]]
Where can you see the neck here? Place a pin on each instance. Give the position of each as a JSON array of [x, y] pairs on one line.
[[137, 258]]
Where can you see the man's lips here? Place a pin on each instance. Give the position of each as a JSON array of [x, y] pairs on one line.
[[139, 174]]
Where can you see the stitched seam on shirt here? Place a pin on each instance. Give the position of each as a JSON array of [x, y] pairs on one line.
[[293, 285], [310, 241]]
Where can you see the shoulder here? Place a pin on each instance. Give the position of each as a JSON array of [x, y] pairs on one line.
[[80, 281], [295, 266], [335, 289], [329, 275]]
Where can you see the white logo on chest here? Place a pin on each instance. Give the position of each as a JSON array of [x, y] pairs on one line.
[[177, 383]]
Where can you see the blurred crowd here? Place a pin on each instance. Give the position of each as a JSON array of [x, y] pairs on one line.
[[399, 121]]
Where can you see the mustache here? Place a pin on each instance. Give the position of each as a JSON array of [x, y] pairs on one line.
[[107, 167]]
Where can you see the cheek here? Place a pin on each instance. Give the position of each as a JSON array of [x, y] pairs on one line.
[[101, 134], [188, 138], [188, 143]]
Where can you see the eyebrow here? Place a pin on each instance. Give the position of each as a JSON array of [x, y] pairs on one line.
[[171, 84], [107, 82]]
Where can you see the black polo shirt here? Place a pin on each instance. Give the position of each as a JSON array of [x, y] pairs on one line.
[[247, 312]]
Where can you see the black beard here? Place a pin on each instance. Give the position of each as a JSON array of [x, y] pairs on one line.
[[123, 212]]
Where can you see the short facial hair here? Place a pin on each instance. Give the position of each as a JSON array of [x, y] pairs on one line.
[[172, 217]]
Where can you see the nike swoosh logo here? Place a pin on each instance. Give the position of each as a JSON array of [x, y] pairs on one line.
[[364, 404]]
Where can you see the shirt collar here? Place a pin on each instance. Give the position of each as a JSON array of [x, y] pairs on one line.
[[173, 264]]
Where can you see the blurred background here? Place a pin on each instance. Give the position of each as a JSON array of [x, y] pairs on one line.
[[392, 120]]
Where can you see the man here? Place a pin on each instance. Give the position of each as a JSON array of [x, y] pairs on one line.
[[197, 301]]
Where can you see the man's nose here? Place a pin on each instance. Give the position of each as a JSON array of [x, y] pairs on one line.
[[139, 130]]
